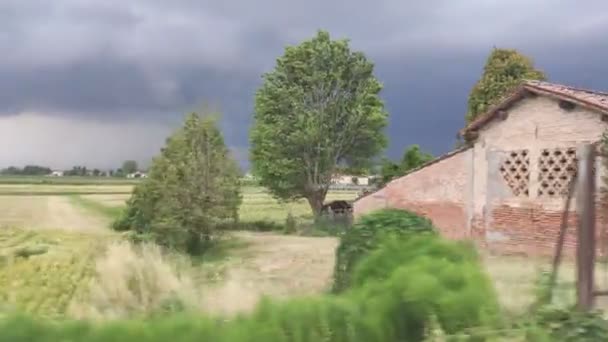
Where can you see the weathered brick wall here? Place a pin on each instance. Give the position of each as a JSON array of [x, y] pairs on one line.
[[439, 191]]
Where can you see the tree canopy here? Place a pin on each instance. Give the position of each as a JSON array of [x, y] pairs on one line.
[[129, 166], [192, 190], [504, 70], [319, 108], [28, 170]]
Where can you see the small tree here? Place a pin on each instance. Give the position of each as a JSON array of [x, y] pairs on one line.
[[318, 108], [192, 190], [129, 166], [412, 158], [504, 70]]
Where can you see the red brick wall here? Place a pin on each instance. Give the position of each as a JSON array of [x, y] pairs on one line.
[[532, 231]]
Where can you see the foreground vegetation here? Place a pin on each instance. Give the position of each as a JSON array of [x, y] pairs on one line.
[[396, 306], [407, 285]]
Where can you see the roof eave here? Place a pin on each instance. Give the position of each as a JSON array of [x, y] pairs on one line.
[[516, 95]]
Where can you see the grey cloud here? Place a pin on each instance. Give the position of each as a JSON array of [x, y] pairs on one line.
[[151, 60]]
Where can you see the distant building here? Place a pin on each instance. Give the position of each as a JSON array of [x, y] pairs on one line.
[[350, 180], [56, 174], [137, 174]]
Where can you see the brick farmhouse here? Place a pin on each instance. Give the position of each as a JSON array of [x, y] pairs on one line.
[[506, 190]]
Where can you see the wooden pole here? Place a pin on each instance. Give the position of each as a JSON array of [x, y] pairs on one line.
[[559, 247], [585, 254]]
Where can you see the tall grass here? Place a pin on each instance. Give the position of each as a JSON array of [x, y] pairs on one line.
[[137, 281], [398, 306]]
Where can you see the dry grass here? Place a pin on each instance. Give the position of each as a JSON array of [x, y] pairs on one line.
[[516, 280], [135, 281], [272, 265]]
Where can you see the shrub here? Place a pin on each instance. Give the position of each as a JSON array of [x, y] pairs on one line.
[[364, 236], [431, 277]]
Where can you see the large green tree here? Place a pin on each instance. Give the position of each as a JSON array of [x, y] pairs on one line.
[[192, 190], [319, 108], [504, 70], [412, 158]]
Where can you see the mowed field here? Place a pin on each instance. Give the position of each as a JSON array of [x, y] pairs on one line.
[[51, 236]]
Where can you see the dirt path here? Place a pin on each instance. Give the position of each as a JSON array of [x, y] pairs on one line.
[[275, 265], [48, 212]]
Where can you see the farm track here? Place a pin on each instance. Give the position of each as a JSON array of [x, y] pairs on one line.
[[49, 212]]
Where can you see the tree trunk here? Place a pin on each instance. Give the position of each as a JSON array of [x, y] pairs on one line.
[[316, 200]]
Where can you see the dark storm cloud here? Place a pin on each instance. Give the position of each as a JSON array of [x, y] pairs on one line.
[[152, 60]]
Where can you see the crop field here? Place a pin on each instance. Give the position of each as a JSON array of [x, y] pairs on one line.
[[41, 271]]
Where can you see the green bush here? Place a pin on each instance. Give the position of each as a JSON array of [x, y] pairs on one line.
[[431, 277], [431, 282], [364, 236]]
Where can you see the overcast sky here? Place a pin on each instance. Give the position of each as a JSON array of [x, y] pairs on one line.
[[96, 82]]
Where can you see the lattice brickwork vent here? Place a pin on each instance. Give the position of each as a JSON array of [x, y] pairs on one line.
[[515, 170], [556, 168]]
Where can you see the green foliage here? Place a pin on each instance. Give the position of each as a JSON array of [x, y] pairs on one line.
[[192, 190], [412, 158], [437, 278], [564, 325], [441, 290], [365, 235], [504, 70], [318, 108]]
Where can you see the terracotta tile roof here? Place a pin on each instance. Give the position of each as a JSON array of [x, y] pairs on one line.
[[591, 99]]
